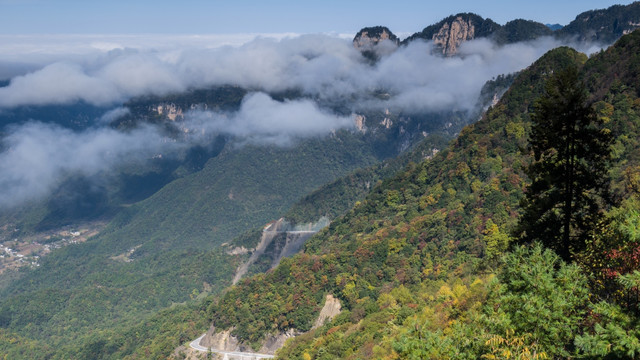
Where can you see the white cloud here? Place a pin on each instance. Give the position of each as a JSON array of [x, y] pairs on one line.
[[137, 74], [264, 120], [58, 83], [39, 156], [324, 67], [327, 69], [110, 69], [112, 115]]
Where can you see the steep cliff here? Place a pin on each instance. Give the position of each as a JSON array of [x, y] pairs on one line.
[[371, 36], [375, 41], [451, 32], [278, 239]]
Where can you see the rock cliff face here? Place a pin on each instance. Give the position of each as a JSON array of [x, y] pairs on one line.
[[279, 240], [368, 37], [451, 35], [376, 41], [170, 111], [601, 26], [451, 32], [223, 340], [331, 309]]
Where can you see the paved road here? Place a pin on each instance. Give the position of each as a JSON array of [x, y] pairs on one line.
[[195, 344]]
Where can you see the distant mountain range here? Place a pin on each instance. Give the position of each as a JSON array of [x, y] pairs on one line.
[[554, 27], [602, 26]]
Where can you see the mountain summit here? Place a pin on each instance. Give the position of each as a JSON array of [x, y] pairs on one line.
[[375, 41], [370, 36], [450, 33]]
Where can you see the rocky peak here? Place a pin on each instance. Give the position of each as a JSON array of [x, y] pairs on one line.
[[451, 32], [376, 41], [368, 37]]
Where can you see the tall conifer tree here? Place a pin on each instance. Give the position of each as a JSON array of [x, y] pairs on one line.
[[569, 170]]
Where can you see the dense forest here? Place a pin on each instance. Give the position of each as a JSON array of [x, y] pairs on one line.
[[423, 265], [435, 250]]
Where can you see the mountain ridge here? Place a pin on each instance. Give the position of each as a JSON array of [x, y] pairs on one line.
[[601, 26]]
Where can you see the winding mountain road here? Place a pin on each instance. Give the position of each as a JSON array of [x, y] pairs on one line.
[[195, 344]]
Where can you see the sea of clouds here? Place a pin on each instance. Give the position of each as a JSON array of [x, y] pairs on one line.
[[109, 70]]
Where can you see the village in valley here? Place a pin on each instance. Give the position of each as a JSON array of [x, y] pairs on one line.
[[17, 250]]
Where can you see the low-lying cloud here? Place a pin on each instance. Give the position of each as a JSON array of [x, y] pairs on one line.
[[263, 120], [320, 66], [58, 83], [38, 157]]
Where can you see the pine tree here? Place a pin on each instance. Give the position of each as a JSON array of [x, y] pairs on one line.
[[569, 171]]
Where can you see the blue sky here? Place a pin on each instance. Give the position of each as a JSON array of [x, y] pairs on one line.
[[275, 16]]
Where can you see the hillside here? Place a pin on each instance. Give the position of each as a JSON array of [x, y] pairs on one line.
[[422, 246], [416, 254], [159, 248], [422, 203], [81, 198], [520, 30], [167, 248], [603, 25]]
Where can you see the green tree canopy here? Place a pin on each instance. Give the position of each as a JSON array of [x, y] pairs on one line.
[[569, 170]]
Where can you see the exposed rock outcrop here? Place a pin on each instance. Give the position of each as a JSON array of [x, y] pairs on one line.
[[602, 26], [360, 123], [371, 36], [170, 111], [375, 41], [274, 342], [222, 340], [279, 239], [331, 309], [238, 250], [225, 341], [450, 33]]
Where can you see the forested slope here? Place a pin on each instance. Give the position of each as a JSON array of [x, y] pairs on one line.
[[166, 249], [419, 264]]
